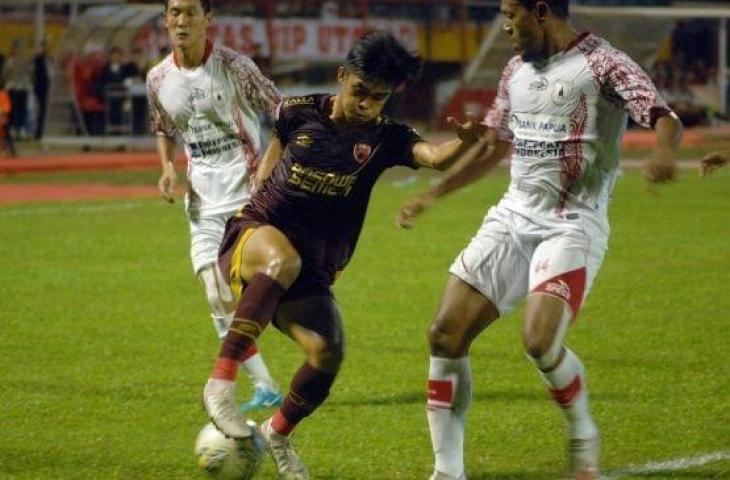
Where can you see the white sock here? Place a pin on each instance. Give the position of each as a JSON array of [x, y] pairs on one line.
[[221, 324], [256, 369], [568, 387], [449, 397]]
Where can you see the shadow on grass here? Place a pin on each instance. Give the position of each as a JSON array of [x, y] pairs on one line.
[[419, 397]]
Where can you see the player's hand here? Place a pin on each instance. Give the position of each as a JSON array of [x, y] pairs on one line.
[[659, 168], [411, 209], [713, 161], [468, 132], [167, 183]]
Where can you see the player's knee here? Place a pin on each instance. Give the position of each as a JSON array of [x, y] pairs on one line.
[[284, 267], [541, 347], [446, 341], [217, 292], [326, 356]]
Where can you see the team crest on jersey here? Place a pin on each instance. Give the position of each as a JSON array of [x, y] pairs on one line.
[[362, 152], [562, 91], [304, 140]]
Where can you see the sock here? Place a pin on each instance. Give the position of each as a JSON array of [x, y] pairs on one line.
[[449, 398], [308, 390], [254, 311], [254, 366], [567, 387]]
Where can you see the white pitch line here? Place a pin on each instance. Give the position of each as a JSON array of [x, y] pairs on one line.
[[669, 465], [60, 209]]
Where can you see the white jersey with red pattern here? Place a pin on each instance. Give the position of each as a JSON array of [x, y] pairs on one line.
[[565, 118], [214, 109]]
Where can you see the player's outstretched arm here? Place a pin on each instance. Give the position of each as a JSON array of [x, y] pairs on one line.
[[482, 158], [442, 156], [713, 161], [660, 166], [268, 162], [168, 178]]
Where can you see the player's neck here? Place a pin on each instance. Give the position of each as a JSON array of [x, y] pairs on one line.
[[338, 115], [561, 38], [192, 57]]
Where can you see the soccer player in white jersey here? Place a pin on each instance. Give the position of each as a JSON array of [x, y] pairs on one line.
[[209, 95], [562, 106]]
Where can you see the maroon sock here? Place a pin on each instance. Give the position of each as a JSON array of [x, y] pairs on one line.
[[253, 312], [308, 390]]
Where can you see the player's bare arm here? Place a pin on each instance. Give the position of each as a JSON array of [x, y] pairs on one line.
[[660, 167], [168, 177], [481, 159], [713, 161], [444, 155], [269, 161]]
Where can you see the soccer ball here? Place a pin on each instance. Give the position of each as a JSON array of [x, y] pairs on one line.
[[228, 459]]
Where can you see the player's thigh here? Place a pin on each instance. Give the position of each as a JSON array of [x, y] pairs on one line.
[[267, 250], [315, 323], [564, 266], [494, 264]]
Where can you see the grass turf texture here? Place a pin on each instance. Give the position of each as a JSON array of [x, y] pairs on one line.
[[106, 343]]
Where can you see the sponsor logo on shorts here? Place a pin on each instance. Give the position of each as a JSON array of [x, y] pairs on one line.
[[559, 288]]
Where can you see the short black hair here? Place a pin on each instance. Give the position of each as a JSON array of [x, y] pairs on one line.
[[203, 3], [379, 57], [560, 8]]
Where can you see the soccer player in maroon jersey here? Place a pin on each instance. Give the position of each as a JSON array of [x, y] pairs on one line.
[[301, 227]]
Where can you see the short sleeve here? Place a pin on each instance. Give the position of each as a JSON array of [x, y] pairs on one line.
[[402, 138], [624, 83], [498, 115], [258, 90], [282, 125], [161, 123]]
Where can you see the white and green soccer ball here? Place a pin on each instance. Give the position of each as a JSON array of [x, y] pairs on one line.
[[228, 459]]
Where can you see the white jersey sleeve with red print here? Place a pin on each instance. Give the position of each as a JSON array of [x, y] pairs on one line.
[[567, 116], [215, 109], [498, 115]]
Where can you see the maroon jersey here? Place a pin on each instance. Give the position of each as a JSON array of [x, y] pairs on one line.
[[318, 194]]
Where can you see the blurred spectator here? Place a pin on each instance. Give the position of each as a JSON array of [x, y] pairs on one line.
[[134, 81], [113, 90], [694, 50], [17, 72], [41, 86], [86, 73], [6, 141]]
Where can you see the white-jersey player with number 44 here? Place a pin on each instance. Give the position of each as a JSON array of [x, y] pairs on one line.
[[561, 107], [210, 96]]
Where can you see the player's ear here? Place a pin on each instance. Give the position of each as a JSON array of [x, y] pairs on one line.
[[541, 11], [341, 74]]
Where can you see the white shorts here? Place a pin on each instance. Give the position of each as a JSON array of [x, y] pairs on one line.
[[206, 234], [513, 255]]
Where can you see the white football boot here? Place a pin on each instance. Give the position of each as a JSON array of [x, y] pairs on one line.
[[287, 461], [442, 476], [219, 401], [583, 458]]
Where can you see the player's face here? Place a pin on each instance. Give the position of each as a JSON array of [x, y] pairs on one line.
[[523, 28], [360, 99], [186, 22]]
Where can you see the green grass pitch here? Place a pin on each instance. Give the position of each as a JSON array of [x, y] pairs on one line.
[[105, 343]]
